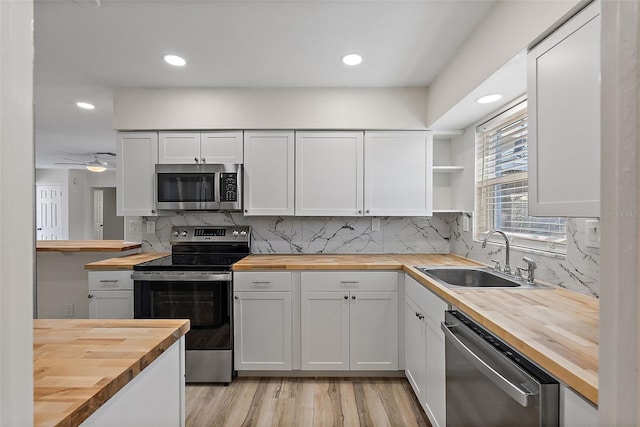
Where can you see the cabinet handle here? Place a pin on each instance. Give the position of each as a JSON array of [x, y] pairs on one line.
[[368, 211], [421, 316], [153, 211], [89, 296], [349, 282], [196, 159], [261, 282], [109, 281], [417, 314], [203, 160], [235, 297], [360, 211], [353, 297], [246, 211], [346, 297]]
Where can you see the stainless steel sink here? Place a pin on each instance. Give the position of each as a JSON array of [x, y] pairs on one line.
[[474, 277]]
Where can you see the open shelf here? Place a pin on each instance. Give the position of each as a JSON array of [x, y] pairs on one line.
[[447, 169]]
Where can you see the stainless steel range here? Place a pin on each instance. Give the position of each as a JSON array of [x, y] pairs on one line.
[[195, 283]]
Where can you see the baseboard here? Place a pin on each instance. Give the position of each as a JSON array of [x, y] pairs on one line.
[[321, 374]]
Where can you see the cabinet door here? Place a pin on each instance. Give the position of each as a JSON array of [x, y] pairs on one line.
[[564, 120], [137, 154], [373, 325], [179, 147], [575, 410], [398, 173], [414, 341], [325, 331], [435, 380], [269, 173], [111, 304], [329, 173], [221, 147], [262, 330]]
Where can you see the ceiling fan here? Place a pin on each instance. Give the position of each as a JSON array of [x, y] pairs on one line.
[[95, 165]]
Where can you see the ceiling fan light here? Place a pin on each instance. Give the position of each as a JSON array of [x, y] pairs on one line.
[[95, 168]]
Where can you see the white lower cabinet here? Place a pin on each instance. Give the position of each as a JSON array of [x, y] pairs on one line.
[[575, 411], [262, 321], [155, 397], [424, 349], [415, 338], [349, 321], [110, 294]]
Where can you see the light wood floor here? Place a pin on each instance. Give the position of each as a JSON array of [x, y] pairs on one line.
[[364, 402]]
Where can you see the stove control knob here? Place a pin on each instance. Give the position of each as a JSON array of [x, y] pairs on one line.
[[235, 233], [243, 233], [183, 233], [176, 233]]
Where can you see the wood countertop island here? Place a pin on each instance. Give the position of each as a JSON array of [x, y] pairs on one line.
[[80, 364], [86, 246], [554, 327]]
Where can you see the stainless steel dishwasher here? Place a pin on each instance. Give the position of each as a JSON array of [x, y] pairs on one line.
[[490, 384]]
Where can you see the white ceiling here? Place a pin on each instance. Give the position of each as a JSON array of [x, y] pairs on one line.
[[83, 53]]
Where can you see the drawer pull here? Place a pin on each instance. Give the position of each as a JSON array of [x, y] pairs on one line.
[[109, 281], [261, 282], [349, 282]]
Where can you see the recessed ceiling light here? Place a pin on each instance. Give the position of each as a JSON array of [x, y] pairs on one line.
[[488, 99], [85, 105], [174, 60], [351, 59]]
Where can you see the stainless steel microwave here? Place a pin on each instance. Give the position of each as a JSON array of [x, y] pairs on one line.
[[199, 187]]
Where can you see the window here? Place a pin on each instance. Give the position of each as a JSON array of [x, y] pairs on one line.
[[502, 186]]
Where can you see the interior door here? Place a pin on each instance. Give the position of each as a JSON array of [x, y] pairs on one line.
[[49, 224], [98, 214]]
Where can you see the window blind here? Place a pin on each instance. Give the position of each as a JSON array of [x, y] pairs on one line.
[[502, 185]]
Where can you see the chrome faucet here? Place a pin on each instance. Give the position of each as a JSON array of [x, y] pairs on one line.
[[507, 267]]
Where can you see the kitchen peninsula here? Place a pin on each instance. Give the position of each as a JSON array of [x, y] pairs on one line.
[[108, 372], [61, 279]]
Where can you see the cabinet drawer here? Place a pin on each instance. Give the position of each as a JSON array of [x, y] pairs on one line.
[[262, 281], [319, 281], [428, 302], [110, 280]]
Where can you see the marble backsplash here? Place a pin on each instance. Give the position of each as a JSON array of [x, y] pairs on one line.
[[315, 235], [579, 270]]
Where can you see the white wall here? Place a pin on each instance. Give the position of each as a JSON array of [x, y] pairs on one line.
[[294, 108], [510, 27], [619, 362], [80, 205], [17, 223]]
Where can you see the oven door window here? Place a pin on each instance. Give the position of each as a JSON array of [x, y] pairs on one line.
[[186, 187], [205, 304]]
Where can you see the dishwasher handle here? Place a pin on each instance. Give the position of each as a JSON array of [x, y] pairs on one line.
[[523, 397]]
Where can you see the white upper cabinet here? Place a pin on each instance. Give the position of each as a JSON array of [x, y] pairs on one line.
[[329, 173], [221, 147], [200, 147], [564, 119], [398, 175], [137, 154], [269, 173]]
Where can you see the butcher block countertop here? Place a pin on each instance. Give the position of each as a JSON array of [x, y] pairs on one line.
[[554, 327], [79, 364], [125, 262], [346, 262], [85, 246]]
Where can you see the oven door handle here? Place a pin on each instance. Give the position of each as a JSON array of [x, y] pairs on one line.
[[523, 397], [175, 277]]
